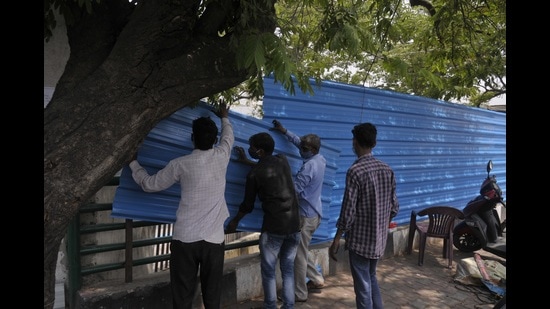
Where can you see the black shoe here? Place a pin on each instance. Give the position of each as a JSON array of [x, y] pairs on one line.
[[312, 286]]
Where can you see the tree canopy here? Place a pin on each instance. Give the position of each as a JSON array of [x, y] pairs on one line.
[[133, 63], [448, 50]]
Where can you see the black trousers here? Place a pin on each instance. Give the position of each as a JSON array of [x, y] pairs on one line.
[[186, 259]]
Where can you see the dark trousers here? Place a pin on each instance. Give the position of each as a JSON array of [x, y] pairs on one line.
[[185, 261]]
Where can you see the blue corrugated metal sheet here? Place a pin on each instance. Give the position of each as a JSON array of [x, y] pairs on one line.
[[171, 138], [438, 150]]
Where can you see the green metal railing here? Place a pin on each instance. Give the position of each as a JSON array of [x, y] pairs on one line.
[[75, 249]]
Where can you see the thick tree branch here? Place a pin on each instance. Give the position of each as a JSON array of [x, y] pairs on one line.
[[424, 3]]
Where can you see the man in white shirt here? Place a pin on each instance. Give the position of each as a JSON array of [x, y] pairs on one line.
[[198, 237]]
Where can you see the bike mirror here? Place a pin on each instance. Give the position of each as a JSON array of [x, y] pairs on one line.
[[489, 166]]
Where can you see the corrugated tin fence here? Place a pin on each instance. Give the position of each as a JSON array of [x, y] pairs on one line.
[[437, 149]]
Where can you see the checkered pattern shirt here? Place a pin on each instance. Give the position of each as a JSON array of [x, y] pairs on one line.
[[369, 199]]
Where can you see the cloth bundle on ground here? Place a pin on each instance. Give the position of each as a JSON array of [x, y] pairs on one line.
[[482, 272]]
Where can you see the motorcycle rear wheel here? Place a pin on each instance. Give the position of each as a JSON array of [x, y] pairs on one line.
[[467, 239]]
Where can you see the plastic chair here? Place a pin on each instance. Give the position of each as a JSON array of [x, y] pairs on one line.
[[440, 224]]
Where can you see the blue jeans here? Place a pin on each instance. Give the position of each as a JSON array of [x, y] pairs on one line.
[[282, 247], [365, 284]]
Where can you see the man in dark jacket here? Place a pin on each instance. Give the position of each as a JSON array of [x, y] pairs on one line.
[[270, 179]]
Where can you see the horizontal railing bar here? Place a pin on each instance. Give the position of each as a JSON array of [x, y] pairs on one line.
[[120, 265], [120, 246], [113, 226], [242, 244], [93, 207]]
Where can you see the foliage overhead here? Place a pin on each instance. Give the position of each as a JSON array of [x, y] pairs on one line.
[[448, 50], [442, 49]]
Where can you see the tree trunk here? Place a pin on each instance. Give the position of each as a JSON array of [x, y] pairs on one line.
[[129, 67]]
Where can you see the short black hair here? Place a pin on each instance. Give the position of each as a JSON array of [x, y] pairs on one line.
[[205, 133], [263, 141], [365, 134]]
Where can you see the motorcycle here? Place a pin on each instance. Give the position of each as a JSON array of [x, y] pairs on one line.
[[482, 227]]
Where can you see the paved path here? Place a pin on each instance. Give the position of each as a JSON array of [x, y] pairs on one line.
[[404, 285]]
